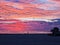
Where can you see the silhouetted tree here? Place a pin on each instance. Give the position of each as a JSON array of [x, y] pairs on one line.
[[55, 30]]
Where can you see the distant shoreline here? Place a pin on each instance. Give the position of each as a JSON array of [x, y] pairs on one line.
[[25, 32]]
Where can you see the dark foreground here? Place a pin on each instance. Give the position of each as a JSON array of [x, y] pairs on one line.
[[29, 39]]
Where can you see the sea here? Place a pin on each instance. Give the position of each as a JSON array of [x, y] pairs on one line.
[[29, 39]]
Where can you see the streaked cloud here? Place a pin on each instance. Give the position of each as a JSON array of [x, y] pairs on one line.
[[29, 15]]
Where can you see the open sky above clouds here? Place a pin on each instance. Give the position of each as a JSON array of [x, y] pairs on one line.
[[43, 11]]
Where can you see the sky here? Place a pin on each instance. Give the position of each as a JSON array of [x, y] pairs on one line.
[[29, 15]]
